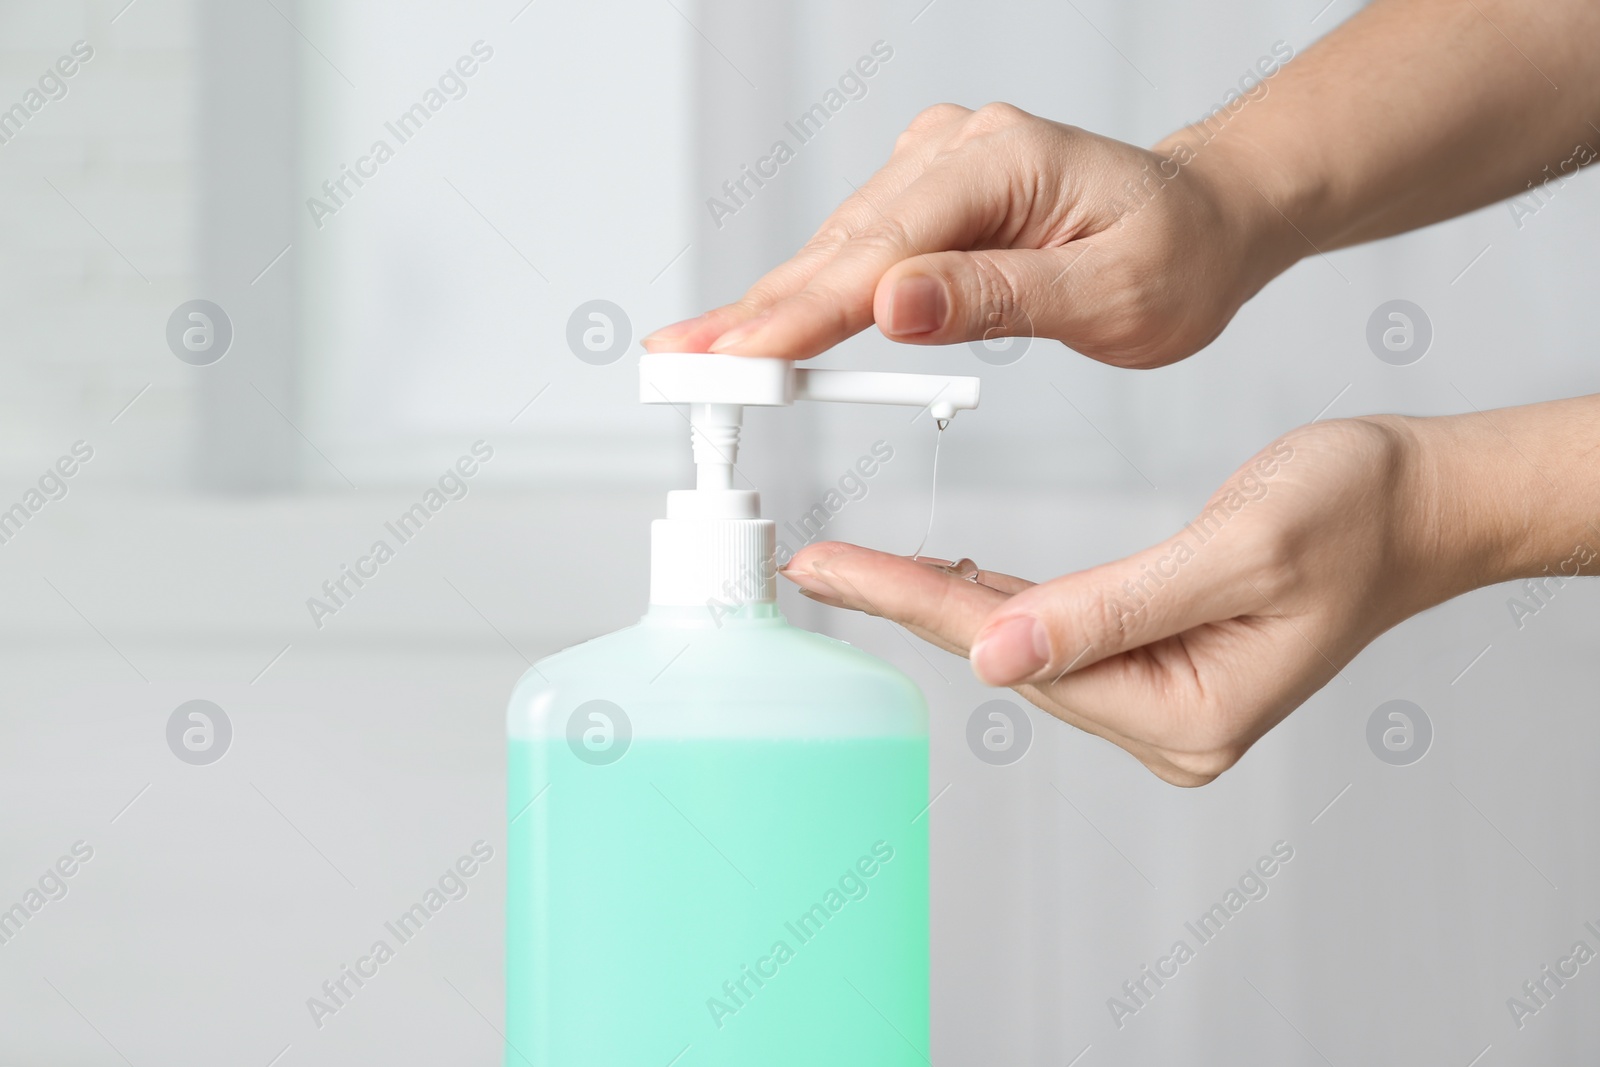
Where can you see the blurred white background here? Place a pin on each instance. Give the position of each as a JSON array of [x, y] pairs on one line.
[[432, 307]]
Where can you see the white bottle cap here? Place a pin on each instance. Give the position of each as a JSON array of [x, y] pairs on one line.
[[712, 550]]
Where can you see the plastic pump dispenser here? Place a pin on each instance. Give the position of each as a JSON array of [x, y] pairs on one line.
[[713, 548], [717, 840]]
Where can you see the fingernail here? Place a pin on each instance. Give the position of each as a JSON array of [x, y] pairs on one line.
[[917, 304], [808, 581], [673, 332], [1011, 651], [741, 333]]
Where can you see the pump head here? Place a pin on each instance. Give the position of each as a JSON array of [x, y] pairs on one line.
[[713, 547], [717, 388]]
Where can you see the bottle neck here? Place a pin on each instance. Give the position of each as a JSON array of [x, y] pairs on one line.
[[701, 617]]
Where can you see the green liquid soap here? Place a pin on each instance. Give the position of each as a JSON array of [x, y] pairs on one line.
[[717, 851], [717, 823]]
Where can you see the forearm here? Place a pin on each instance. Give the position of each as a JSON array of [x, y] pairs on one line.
[[1412, 112], [1493, 496]]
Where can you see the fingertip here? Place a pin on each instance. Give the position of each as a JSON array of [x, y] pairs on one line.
[[797, 327], [1010, 650], [673, 334], [912, 304], [815, 553], [746, 335]]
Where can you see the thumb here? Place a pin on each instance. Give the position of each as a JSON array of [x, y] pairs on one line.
[[944, 298], [1068, 623]]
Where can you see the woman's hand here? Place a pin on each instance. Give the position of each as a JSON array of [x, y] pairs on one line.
[[1188, 652], [995, 222]]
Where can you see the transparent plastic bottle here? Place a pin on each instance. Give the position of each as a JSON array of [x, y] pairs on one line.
[[717, 841], [717, 850]]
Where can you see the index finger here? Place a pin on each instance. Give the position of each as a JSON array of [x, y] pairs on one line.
[[950, 206], [915, 148]]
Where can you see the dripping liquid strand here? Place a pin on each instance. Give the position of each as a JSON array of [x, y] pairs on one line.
[[933, 495]]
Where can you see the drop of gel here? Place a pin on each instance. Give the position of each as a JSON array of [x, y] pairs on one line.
[[964, 569]]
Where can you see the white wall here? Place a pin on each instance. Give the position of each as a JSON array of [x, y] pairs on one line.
[[367, 752]]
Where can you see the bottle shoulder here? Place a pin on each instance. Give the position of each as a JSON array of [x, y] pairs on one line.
[[764, 676]]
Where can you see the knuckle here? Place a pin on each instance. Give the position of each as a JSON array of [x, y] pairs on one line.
[[929, 121], [988, 122], [1108, 619], [829, 239], [998, 115], [935, 117], [886, 233], [997, 298], [826, 309]]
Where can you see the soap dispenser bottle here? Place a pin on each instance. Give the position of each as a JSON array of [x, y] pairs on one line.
[[718, 840]]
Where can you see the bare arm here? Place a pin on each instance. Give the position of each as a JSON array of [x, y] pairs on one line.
[[1412, 112]]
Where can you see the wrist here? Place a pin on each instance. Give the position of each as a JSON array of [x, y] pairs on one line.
[[1445, 538], [1495, 496], [1261, 241]]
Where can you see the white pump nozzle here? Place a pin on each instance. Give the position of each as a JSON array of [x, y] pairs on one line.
[[712, 545], [717, 388]]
